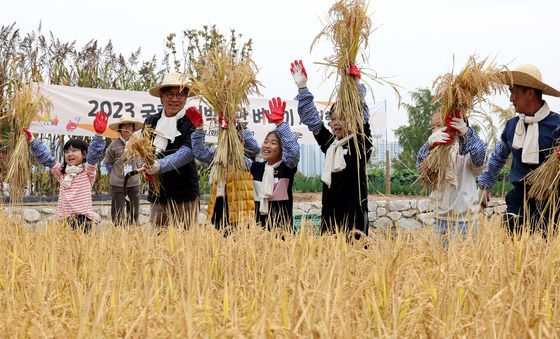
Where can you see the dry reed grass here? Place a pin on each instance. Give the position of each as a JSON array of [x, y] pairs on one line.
[[139, 146], [348, 27], [459, 93], [225, 81], [26, 103], [543, 181], [138, 283]]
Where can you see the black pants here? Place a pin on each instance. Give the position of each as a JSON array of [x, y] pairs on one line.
[[353, 221], [79, 222], [525, 212], [220, 216]]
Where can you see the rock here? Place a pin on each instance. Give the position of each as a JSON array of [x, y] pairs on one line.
[[143, 220], [48, 210], [398, 205], [424, 205], [409, 213], [30, 215], [105, 211], [500, 209], [394, 215], [317, 205], [201, 218], [488, 211], [305, 206], [426, 218], [372, 205], [41, 226], [409, 224], [381, 211], [145, 209], [381, 203], [383, 222], [372, 216]]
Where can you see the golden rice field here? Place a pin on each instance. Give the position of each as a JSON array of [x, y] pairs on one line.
[[137, 283]]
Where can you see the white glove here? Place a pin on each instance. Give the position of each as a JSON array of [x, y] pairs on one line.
[[154, 169], [299, 74], [460, 125], [438, 137]]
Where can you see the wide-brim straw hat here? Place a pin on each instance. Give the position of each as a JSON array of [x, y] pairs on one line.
[[126, 118], [172, 80], [529, 76]]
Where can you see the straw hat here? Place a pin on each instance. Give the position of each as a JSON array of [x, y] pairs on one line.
[[126, 118], [529, 76], [171, 80]]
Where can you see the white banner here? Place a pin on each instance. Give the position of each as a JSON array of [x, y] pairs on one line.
[[74, 108]]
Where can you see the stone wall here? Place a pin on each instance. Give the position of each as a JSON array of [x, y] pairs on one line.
[[406, 213]]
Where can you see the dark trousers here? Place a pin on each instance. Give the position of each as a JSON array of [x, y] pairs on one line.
[[220, 215], [352, 222], [79, 222], [529, 213], [125, 212]]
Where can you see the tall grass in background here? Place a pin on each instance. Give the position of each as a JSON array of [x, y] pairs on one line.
[[140, 283]]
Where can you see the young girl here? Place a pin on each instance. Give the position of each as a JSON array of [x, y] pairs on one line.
[[344, 173], [272, 178], [75, 174]]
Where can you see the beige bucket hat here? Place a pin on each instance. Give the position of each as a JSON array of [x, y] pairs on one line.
[[529, 76], [126, 118], [172, 80]]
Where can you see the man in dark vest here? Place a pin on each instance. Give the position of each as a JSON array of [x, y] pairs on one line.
[[529, 138], [178, 199]]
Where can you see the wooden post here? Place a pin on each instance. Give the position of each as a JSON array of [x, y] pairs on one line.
[[387, 171]]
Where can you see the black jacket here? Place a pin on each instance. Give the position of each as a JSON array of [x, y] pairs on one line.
[[180, 184], [347, 196]]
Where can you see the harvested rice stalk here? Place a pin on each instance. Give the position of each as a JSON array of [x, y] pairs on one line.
[[544, 180], [27, 102], [348, 27], [140, 146], [224, 82], [458, 95]]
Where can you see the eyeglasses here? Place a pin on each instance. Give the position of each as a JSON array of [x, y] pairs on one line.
[[178, 95]]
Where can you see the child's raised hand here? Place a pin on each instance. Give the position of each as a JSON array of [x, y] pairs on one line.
[[100, 122], [277, 108], [299, 74]]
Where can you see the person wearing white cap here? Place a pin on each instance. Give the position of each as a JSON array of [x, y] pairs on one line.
[[178, 198], [529, 138], [117, 167]]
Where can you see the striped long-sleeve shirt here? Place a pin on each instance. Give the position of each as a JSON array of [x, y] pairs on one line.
[[75, 199]]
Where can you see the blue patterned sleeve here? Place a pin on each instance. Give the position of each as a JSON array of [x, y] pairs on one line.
[[95, 150], [422, 154], [42, 153], [496, 162], [473, 145], [251, 146], [290, 145], [363, 91], [308, 113], [180, 158], [201, 152]]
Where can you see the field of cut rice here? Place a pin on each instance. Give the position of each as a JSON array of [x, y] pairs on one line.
[[197, 283]]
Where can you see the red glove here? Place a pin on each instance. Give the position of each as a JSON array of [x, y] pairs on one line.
[[299, 73], [28, 134], [195, 116], [353, 70], [148, 178], [277, 108], [100, 122]]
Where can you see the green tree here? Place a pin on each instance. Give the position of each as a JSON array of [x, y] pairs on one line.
[[413, 136]]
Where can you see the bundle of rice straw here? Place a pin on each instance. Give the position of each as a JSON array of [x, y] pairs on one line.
[[26, 103], [543, 181], [348, 27], [459, 93], [224, 81], [140, 146]]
